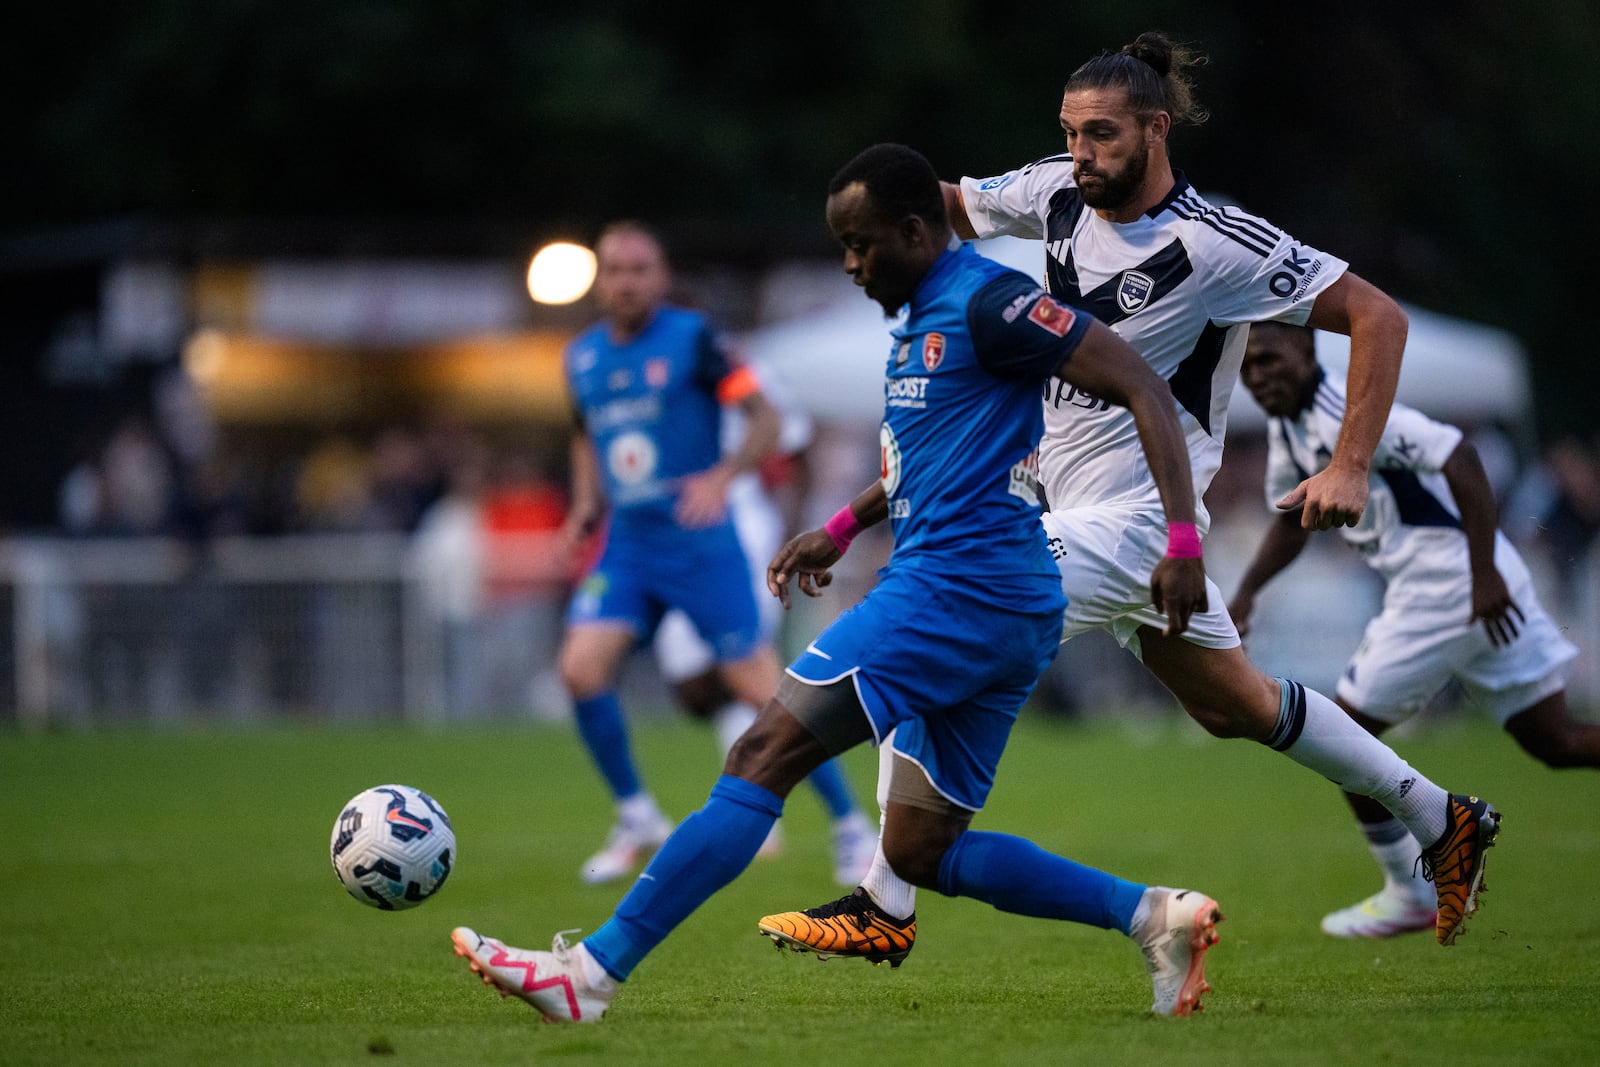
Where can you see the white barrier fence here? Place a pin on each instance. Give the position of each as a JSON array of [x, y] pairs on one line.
[[378, 627], [359, 627]]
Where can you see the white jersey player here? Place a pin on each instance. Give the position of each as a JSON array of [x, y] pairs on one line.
[[1127, 238], [1458, 602]]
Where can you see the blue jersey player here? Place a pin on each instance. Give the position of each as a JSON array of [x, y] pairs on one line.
[[949, 643], [648, 383]]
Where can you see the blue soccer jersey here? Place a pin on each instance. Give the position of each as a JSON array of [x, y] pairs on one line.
[[962, 421], [947, 646], [651, 408]]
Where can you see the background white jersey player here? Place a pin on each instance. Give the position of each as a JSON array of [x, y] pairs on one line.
[[1126, 237], [1458, 601]]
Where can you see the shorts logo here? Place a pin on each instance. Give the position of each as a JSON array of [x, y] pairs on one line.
[[656, 372], [933, 351], [1134, 290], [1052, 315]]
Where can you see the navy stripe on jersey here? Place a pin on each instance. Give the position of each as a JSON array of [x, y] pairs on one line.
[[1416, 505], [1242, 229], [1167, 269], [1062, 157], [1191, 384], [1060, 220], [1329, 401], [1288, 447]]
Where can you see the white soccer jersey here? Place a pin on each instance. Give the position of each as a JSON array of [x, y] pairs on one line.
[[1411, 530], [1180, 284]]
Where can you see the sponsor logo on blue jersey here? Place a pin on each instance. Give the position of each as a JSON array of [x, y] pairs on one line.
[[906, 392]]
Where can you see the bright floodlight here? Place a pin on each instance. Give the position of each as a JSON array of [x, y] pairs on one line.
[[560, 273]]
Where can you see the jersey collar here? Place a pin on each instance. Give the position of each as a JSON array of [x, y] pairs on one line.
[[1180, 185], [941, 267]]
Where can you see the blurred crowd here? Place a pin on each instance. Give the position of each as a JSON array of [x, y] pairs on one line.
[[481, 515]]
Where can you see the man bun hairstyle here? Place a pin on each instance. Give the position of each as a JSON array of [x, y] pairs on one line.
[[1152, 70], [900, 181]]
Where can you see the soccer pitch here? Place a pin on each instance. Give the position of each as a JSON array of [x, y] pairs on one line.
[[169, 901]]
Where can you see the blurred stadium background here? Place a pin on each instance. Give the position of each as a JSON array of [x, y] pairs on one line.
[[285, 434]]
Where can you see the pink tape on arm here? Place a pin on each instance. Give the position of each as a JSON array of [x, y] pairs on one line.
[[842, 528], [1183, 541]]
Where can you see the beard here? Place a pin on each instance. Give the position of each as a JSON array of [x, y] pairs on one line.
[[1114, 190]]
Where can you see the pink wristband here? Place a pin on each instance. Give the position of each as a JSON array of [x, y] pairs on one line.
[[842, 528], [1183, 541]]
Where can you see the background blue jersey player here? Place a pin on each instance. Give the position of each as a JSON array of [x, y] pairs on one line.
[[648, 383], [948, 645]]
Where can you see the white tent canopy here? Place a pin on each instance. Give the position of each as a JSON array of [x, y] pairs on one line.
[[833, 360]]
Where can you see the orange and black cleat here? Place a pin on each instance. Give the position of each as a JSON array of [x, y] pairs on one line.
[[851, 926], [1454, 863]]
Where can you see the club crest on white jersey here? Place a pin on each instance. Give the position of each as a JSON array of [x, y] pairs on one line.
[[1134, 290]]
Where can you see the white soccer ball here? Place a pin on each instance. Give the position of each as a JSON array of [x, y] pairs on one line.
[[392, 847]]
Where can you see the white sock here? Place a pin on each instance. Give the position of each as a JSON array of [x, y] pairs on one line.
[[594, 976], [1316, 733], [1141, 914], [730, 721], [885, 772], [851, 821], [894, 896], [639, 809], [1396, 852]]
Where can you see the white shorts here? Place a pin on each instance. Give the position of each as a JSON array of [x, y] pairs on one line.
[[1106, 556], [680, 653], [1408, 653]]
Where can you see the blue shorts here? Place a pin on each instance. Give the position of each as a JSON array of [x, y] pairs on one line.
[[704, 575], [946, 671]]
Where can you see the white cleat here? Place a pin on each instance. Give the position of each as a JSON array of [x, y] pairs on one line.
[[627, 847], [1177, 928], [552, 982], [855, 843], [1383, 914]]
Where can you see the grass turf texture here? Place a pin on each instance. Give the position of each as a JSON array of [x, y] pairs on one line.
[[169, 901]]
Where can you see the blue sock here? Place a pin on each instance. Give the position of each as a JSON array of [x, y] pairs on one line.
[[707, 851], [1018, 876], [829, 782], [605, 735]]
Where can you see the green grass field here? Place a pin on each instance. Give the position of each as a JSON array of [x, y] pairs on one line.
[[168, 900]]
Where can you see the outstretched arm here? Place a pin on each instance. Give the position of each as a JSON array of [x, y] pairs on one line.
[[956, 209], [1279, 548], [1377, 327], [808, 556], [588, 504], [703, 499], [1480, 515]]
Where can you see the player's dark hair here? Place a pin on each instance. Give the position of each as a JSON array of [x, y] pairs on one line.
[[621, 227], [1152, 70], [900, 181], [1305, 335]]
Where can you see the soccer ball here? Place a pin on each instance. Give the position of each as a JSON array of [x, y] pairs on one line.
[[392, 847]]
